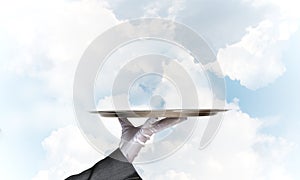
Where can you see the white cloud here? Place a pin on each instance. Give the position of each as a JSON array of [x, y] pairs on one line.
[[256, 59], [171, 174], [51, 37], [68, 153], [174, 83], [157, 8]]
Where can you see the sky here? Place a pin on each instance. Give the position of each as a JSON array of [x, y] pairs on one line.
[[256, 44]]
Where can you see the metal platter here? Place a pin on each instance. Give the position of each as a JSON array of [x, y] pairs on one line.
[[159, 113]]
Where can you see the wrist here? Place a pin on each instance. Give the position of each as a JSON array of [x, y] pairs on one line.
[[130, 149], [143, 135]]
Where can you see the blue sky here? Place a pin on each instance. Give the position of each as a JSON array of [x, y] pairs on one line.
[[279, 101], [42, 42], [280, 98]]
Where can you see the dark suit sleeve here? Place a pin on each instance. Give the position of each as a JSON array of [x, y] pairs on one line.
[[109, 168]]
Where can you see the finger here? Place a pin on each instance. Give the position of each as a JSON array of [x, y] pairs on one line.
[[124, 122], [150, 122]]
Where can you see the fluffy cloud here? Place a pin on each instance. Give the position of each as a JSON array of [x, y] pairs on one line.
[[170, 9], [250, 49], [256, 59], [204, 16], [174, 175], [51, 37], [68, 153]]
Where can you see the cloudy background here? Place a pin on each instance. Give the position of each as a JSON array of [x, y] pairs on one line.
[[256, 43]]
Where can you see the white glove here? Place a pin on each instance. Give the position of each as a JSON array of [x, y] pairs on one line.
[[134, 138]]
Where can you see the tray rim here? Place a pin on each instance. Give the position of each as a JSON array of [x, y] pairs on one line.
[[158, 113]]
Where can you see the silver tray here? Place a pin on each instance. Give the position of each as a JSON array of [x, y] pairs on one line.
[[160, 113]]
